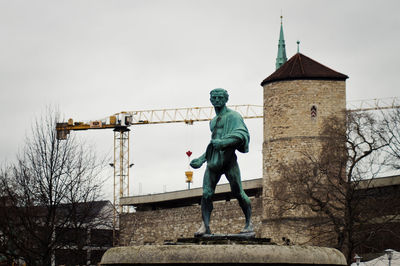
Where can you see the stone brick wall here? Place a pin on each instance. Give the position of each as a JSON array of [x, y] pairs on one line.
[[289, 130], [153, 227]]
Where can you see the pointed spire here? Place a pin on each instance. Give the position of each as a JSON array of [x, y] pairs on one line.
[[281, 58]]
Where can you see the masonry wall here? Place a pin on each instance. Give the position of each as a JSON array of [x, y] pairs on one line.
[[290, 129], [156, 226]]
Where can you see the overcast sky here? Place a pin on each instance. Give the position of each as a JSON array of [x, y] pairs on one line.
[[95, 58]]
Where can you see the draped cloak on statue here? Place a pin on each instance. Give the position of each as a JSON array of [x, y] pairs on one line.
[[232, 126]]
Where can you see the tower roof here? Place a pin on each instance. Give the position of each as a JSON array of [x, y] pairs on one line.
[[303, 67]]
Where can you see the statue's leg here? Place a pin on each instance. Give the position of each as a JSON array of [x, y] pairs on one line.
[[210, 181], [233, 175]]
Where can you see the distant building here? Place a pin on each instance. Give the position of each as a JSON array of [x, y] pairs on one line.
[[96, 240], [84, 244]]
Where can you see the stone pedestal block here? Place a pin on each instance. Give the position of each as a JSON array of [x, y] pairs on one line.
[[222, 255]]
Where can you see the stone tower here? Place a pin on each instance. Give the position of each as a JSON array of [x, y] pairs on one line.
[[298, 96]]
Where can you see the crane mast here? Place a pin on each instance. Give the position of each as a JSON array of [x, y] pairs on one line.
[[121, 164]]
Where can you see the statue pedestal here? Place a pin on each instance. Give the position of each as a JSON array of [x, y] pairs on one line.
[[219, 239], [215, 251]]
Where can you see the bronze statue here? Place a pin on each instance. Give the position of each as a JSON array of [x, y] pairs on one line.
[[229, 133]]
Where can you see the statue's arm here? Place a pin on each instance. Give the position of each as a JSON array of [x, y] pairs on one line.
[[221, 144], [198, 162]]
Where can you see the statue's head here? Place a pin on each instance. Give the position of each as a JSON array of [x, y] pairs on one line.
[[219, 97]]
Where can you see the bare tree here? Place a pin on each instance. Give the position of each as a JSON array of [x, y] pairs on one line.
[[333, 186], [391, 136], [50, 189]]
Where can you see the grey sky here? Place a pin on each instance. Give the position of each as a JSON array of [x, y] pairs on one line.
[[95, 58]]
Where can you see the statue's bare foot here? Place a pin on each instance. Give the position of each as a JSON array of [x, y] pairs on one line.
[[248, 228], [202, 230]]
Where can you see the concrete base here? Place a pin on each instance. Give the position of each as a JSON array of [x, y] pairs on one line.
[[222, 254]]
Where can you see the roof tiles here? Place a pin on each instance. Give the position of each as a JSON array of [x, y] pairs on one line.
[[303, 67]]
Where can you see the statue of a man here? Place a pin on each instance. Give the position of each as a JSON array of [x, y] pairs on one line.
[[229, 133]]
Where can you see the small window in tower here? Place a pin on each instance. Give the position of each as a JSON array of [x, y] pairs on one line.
[[313, 111]]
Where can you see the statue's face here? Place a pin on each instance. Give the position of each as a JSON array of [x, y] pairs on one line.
[[218, 99]]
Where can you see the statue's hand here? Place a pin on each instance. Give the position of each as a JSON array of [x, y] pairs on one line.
[[197, 163], [218, 144]]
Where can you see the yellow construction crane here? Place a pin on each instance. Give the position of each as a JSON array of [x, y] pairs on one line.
[[120, 123]]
